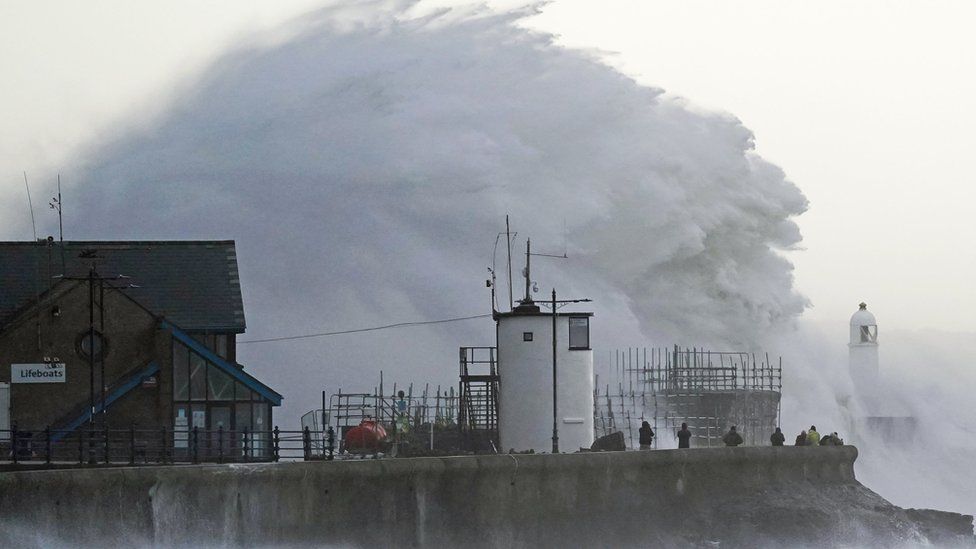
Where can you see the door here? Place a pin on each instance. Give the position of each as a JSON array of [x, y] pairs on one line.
[[220, 442]]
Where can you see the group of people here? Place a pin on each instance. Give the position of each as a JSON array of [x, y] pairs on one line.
[[813, 438], [733, 438], [684, 436]]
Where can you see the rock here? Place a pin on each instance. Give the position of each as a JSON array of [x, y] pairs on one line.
[[943, 527], [614, 442]]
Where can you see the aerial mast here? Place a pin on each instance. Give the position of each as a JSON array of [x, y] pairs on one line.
[[508, 245]]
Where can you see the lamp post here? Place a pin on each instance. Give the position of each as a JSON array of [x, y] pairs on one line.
[[555, 425]]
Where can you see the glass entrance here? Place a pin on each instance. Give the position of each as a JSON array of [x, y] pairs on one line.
[[221, 433]]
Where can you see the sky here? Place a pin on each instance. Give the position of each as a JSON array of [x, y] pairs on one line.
[[867, 107]]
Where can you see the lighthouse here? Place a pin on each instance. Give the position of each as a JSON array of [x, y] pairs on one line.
[[863, 357], [884, 414]]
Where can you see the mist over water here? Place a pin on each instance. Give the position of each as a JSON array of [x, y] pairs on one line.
[[365, 166]]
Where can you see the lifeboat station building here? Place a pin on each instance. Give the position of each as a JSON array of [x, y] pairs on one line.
[[137, 336]]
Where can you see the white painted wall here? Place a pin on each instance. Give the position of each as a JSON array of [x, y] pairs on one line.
[[525, 399]]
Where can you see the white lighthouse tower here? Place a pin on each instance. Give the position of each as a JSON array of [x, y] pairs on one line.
[[863, 358], [545, 366]]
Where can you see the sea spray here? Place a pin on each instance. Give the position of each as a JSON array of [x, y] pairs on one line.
[[366, 165]]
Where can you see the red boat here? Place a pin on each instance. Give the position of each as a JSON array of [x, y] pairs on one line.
[[366, 438]]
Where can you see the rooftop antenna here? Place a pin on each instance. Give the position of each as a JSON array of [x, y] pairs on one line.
[[37, 267], [508, 244], [31, 206], [55, 204], [527, 272], [509, 235]]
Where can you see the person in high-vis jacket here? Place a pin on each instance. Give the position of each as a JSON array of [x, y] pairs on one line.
[[813, 437]]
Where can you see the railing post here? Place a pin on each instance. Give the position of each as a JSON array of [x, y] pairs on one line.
[[331, 439], [14, 443], [108, 455], [246, 449], [91, 445], [81, 446], [220, 443], [195, 446], [276, 443], [307, 444], [132, 444], [47, 444]]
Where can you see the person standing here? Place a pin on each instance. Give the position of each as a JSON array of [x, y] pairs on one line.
[[801, 439], [684, 437], [813, 437], [732, 438], [777, 438], [646, 436]]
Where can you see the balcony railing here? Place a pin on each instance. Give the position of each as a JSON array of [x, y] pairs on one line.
[[110, 446]]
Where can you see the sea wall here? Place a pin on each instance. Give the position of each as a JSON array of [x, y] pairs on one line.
[[737, 496]]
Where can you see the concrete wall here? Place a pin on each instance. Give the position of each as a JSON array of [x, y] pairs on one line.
[[525, 395], [737, 496]]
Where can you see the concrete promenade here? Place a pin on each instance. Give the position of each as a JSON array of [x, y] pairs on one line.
[[737, 496]]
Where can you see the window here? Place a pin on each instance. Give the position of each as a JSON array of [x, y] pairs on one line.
[[215, 342], [181, 379], [220, 386], [181, 427], [208, 397], [220, 345], [86, 340], [242, 392], [526, 336], [198, 377], [869, 334], [579, 332], [242, 420]]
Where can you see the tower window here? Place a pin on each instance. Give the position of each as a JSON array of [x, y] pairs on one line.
[[869, 334], [526, 336], [579, 333]]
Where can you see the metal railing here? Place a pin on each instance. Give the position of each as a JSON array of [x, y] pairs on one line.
[[92, 446]]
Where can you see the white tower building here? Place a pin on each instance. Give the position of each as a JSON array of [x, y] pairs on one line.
[[863, 359], [525, 367]]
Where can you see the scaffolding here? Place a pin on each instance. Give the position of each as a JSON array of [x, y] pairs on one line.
[[430, 407], [708, 390]]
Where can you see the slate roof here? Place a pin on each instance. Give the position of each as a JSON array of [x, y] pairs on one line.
[[193, 283]]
